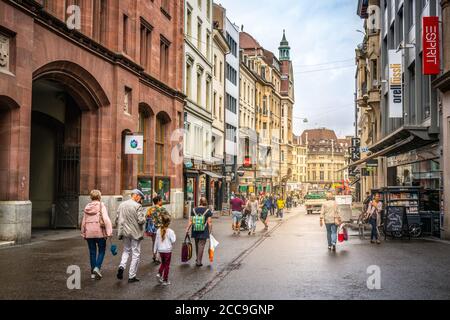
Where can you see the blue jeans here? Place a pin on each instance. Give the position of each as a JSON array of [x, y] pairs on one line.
[[331, 233], [374, 234], [237, 217], [96, 259]]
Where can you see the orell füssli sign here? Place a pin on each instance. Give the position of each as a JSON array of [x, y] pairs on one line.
[[430, 40], [395, 84]]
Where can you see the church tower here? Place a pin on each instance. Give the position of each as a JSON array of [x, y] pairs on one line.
[[284, 48]]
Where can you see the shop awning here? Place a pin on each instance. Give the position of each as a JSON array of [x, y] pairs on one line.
[[381, 153], [212, 174], [403, 140], [420, 135]]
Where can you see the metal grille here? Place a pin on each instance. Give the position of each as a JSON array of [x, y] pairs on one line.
[[67, 187]]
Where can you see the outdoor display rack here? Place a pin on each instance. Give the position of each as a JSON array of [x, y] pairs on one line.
[[402, 206]]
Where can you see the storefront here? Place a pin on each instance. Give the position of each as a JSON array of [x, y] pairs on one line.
[[200, 182]]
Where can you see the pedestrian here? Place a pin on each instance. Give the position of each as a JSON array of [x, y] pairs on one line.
[[201, 223], [280, 207], [266, 205], [96, 228], [236, 208], [165, 238], [367, 201], [273, 204], [253, 207], [373, 215], [130, 221], [154, 216], [329, 215]]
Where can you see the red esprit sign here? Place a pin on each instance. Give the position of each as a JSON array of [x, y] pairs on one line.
[[431, 52]]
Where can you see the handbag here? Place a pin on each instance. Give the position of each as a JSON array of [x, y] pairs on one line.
[[186, 249], [213, 243], [341, 236], [101, 222]]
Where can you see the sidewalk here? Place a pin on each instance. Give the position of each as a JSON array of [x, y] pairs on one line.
[[38, 270]]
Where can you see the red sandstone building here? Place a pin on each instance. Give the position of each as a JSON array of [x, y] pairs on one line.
[[69, 97]]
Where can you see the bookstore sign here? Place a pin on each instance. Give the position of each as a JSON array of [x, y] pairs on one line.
[[395, 84]]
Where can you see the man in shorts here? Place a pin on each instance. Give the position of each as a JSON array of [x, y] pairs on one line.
[[237, 204]]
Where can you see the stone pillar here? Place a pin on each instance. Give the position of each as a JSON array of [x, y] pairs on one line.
[[446, 34]]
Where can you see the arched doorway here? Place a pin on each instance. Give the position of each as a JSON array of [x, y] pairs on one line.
[[54, 156]]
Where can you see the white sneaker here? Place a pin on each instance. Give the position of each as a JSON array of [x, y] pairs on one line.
[[166, 283], [93, 276], [97, 273], [160, 279]]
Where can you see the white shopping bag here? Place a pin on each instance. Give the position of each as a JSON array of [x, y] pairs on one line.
[[213, 243]]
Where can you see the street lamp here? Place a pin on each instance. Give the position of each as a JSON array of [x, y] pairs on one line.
[[305, 120]]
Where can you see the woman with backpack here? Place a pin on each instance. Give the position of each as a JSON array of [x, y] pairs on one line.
[[201, 223], [96, 227]]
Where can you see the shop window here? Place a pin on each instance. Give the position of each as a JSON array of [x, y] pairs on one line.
[[160, 144], [145, 184], [162, 188]]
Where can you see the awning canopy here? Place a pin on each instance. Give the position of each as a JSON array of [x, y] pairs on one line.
[[405, 139], [420, 134], [212, 175]]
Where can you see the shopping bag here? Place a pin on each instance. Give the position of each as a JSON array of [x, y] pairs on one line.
[[186, 249], [341, 234], [345, 234], [213, 243]]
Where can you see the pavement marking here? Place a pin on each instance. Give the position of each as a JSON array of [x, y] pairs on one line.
[[236, 263]]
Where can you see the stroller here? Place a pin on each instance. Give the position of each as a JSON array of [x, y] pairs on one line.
[[244, 225]]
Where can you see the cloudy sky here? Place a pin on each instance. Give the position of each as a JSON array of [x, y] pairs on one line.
[[322, 35]]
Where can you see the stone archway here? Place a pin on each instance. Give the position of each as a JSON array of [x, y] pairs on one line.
[[65, 104]]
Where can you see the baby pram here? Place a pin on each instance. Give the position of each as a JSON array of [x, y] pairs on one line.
[[244, 225]]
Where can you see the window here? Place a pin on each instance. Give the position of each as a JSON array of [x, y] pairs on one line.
[[199, 4], [189, 24], [215, 66], [199, 36], [164, 60], [143, 128], [146, 44], [162, 188], [208, 8], [231, 133], [221, 72], [208, 93], [231, 103], [214, 109], [232, 44], [99, 20], [208, 45], [160, 140], [125, 33], [127, 101], [188, 80], [220, 109], [231, 74], [199, 88]]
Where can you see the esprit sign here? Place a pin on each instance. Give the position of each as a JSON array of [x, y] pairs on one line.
[[395, 84], [431, 52]]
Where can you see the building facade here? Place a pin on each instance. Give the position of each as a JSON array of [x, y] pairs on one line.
[[368, 102], [198, 82], [408, 147], [300, 167], [266, 67], [326, 158], [70, 98], [248, 139], [231, 33]]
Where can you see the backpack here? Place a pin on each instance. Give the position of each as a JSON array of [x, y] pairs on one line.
[[199, 221]]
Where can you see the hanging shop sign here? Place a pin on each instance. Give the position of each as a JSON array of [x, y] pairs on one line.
[[395, 84], [430, 40], [134, 144]]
